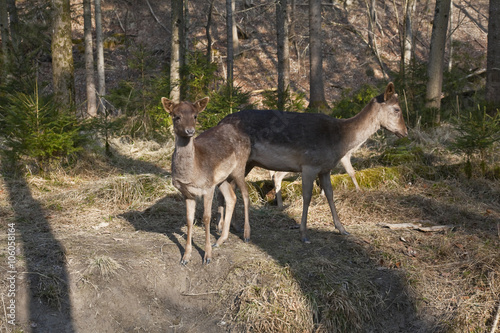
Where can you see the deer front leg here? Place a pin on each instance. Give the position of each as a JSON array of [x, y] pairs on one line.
[[308, 176], [324, 180], [230, 199], [190, 209], [207, 214]]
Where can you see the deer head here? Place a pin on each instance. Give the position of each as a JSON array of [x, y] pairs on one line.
[[184, 115]]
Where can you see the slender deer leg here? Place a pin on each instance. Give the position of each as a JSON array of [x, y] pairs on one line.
[[346, 163], [324, 179], [230, 199], [207, 214], [190, 209], [278, 178], [240, 181], [308, 176], [220, 211]]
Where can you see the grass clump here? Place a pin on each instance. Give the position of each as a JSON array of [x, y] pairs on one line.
[[273, 302], [103, 266]]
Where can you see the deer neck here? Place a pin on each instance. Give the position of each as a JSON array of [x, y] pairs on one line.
[[363, 125], [183, 159]]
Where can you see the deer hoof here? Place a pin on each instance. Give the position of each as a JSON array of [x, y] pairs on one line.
[[247, 240], [306, 240], [207, 261], [344, 233], [215, 245], [184, 262]]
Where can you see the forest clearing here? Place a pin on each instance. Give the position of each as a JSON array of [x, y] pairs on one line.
[[93, 230]]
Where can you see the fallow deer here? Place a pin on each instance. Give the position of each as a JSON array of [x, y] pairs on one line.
[[314, 143], [199, 164]]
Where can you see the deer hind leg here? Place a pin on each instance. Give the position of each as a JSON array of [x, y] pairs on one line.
[[190, 210], [220, 211], [230, 199], [308, 176], [207, 214], [346, 163], [240, 181], [324, 179], [277, 179]]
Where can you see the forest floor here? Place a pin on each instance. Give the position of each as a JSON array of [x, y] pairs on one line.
[[99, 248]]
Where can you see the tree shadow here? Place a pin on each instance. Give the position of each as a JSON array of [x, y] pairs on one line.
[[46, 276]]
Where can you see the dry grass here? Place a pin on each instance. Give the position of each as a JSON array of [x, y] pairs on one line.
[[377, 279]]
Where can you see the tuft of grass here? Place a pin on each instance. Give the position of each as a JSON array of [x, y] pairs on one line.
[[103, 266]]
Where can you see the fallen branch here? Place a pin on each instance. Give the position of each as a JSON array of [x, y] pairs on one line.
[[497, 318], [417, 226], [156, 18]]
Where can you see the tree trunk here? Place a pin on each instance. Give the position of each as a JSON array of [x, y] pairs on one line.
[[230, 45], [101, 75], [436, 56], [208, 33], [493, 56], [14, 24], [175, 55], [62, 56], [283, 52], [408, 31], [89, 59], [236, 42], [317, 89], [4, 30]]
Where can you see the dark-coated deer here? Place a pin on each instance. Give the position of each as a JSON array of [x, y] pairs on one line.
[[314, 143], [215, 157], [278, 176]]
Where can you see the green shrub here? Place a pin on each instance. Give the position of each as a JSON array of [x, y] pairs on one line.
[[477, 134], [197, 75], [294, 102], [35, 127], [226, 100], [351, 104]]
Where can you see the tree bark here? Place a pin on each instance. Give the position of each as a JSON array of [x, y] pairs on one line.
[[175, 55], [14, 24], [236, 42], [62, 56], [493, 56], [317, 89], [4, 31], [208, 33], [283, 52], [436, 56], [230, 45], [89, 59], [101, 74]]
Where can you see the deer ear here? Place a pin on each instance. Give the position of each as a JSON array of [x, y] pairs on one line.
[[168, 105], [389, 91], [201, 104]]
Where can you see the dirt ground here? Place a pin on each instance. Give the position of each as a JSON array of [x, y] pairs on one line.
[[98, 250]]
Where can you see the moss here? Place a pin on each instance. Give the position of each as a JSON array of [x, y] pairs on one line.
[[400, 155], [371, 178]]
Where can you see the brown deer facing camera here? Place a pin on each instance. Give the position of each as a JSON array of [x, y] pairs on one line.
[[313, 144], [215, 157]]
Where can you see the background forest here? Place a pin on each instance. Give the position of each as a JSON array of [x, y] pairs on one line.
[[86, 150]]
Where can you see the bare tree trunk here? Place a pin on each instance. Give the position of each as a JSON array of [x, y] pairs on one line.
[[62, 56], [408, 31], [493, 56], [436, 56], [283, 52], [101, 75], [317, 88], [230, 45], [89, 59], [14, 24], [4, 31], [450, 39], [236, 42], [208, 33], [175, 56]]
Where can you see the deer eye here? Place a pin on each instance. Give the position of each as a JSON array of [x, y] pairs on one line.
[[195, 117], [397, 110], [176, 118]]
